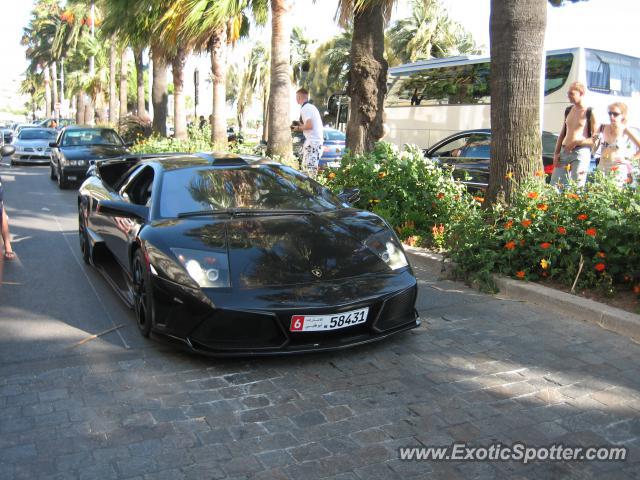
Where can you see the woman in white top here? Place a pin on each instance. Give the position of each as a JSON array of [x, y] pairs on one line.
[[620, 147]]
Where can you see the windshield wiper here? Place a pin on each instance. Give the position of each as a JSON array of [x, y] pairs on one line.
[[203, 213], [245, 212]]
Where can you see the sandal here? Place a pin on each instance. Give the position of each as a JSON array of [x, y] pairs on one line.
[[9, 256]]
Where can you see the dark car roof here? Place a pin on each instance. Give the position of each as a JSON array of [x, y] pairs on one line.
[[465, 132], [86, 127], [215, 159]]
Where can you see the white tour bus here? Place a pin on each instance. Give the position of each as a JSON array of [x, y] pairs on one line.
[[452, 94]]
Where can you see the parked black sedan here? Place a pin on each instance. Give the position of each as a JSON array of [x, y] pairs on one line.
[[77, 147], [469, 152], [232, 255]]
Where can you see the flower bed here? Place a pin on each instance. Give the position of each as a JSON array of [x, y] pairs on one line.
[[587, 239]]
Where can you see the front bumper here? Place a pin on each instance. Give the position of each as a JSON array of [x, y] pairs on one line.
[[31, 158], [257, 322], [74, 173]]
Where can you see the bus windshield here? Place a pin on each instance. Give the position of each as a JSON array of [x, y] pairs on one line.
[[612, 73]]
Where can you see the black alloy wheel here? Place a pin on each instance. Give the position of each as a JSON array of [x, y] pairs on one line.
[[84, 240], [52, 173], [143, 302], [62, 183]]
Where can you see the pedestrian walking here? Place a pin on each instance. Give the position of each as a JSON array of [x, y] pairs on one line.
[[619, 146], [572, 154], [311, 127], [4, 228]]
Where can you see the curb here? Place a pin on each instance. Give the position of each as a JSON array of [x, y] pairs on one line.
[[610, 318]]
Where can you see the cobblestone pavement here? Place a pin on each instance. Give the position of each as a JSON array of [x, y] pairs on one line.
[[479, 370]]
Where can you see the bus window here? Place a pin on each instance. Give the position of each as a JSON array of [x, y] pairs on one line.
[[556, 71], [451, 85], [612, 73]]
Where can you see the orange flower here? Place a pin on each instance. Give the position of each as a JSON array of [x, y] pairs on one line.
[[478, 199], [332, 175], [508, 224], [562, 230], [510, 245], [600, 267], [522, 243], [533, 195], [602, 255], [591, 232], [545, 245], [636, 289], [614, 168], [539, 173], [520, 274], [382, 174], [543, 207], [509, 175], [582, 217], [572, 196], [525, 223], [440, 195]]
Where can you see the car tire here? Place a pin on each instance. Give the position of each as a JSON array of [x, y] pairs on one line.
[[62, 183], [142, 296], [85, 246], [52, 173]]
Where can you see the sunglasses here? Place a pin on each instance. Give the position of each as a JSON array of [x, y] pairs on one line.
[[615, 114]]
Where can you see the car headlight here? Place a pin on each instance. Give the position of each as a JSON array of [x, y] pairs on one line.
[[74, 163], [207, 269], [386, 246]]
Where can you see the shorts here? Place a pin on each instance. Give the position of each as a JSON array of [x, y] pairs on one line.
[[573, 166], [311, 153]]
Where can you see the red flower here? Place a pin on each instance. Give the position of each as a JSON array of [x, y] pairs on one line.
[[508, 224], [636, 289], [582, 217], [440, 196], [591, 232], [525, 223], [601, 255], [573, 196], [510, 245], [520, 274], [533, 195], [545, 245], [562, 230], [543, 207], [522, 242], [600, 267]]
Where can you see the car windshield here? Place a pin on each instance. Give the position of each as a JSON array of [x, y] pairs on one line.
[[334, 135], [37, 134], [91, 137], [260, 188]]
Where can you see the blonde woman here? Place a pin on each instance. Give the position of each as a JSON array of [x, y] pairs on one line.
[[620, 147]]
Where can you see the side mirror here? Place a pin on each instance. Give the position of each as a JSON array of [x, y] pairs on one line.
[[128, 144], [112, 208], [350, 195], [53, 144]]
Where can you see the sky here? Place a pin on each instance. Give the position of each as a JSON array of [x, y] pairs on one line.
[[604, 24]]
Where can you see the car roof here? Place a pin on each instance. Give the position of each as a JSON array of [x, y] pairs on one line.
[[179, 161], [85, 127]]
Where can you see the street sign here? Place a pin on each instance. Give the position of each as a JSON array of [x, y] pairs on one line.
[[57, 106]]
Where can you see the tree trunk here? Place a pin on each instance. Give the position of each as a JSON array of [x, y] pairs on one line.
[[47, 92], [54, 89], [113, 93], [279, 141], [80, 108], [159, 95], [123, 83], [265, 116], [179, 108], [517, 51], [218, 49], [367, 80], [102, 108], [137, 53]]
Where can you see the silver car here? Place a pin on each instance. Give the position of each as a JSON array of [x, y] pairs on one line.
[[32, 145]]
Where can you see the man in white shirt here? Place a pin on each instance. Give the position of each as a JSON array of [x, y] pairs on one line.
[[311, 127]]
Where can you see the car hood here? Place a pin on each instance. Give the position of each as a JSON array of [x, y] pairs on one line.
[[282, 250], [92, 152], [44, 144]]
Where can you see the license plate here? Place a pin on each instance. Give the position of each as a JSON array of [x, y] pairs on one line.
[[333, 164], [72, 177], [319, 323]]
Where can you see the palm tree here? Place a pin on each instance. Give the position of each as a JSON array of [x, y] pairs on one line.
[[123, 82], [32, 85], [300, 57], [254, 80], [368, 74], [429, 32], [279, 141]]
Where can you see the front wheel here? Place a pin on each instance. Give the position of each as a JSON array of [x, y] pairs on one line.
[[85, 248], [143, 299], [52, 173], [62, 182]]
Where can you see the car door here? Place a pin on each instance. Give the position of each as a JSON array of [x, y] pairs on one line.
[[120, 232], [55, 152], [469, 154]]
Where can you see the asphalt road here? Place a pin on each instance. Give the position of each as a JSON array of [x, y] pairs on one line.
[[479, 370]]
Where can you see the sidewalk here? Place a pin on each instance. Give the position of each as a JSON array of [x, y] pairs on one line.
[[610, 318]]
